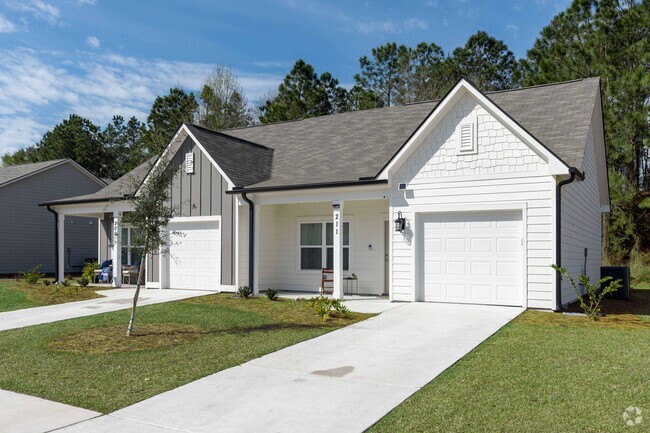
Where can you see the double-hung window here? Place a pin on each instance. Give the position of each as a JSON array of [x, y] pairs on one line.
[[131, 251], [317, 245]]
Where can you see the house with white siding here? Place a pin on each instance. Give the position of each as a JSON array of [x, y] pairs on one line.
[[469, 199]]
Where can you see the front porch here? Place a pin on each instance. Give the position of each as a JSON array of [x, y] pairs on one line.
[[295, 241]]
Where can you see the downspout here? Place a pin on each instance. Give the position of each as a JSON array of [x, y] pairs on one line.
[[56, 243], [251, 240], [573, 173]]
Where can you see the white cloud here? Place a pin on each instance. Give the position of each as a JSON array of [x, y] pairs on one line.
[[273, 64], [6, 26], [513, 29], [445, 22], [93, 42], [432, 3], [38, 89], [382, 27], [38, 8], [87, 2]]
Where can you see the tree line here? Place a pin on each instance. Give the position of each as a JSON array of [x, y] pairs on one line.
[[606, 38]]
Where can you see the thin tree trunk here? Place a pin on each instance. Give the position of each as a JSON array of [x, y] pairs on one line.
[[137, 292]]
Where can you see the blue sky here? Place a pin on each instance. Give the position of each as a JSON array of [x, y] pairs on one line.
[[98, 58]]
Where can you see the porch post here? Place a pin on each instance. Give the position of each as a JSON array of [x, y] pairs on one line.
[[117, 249], [60, 234], [337, 208]]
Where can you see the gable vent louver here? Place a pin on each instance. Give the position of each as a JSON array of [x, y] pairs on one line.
[[466, 138], [189, 163]]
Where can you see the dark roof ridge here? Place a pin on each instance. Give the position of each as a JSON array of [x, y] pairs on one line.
[[212, 131]]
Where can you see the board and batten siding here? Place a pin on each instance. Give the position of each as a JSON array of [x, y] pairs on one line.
[[279, 244], [27, 235], [503, 171], [581, 223], [193, 195]]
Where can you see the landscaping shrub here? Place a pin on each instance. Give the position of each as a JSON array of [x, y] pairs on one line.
[[272, 294], [33, 275], [65, 282], [88, 271], [47, 282], [244, 292], [83, 281], [325, 307], [591, 301]]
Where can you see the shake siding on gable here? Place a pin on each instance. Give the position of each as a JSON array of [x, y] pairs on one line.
[[581, 223], [504, 170]]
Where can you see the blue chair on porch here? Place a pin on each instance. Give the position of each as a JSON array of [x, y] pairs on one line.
[[105, 271]]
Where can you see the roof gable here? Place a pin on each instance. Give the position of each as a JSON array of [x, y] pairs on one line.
[[14, 173]]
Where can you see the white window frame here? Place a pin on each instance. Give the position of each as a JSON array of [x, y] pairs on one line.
[[126, 243], [323, 245]]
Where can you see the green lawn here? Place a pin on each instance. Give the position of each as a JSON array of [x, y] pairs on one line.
[[87, 363], [17, 294], [543, 372]]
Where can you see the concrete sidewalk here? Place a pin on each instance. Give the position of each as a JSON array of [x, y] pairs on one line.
[[343, 381], [21, 413], [116, 299]]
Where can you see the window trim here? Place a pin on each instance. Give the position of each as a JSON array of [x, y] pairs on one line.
[[323, 221]]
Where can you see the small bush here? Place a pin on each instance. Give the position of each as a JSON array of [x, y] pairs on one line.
[[244, 292], [591, 301], [325, 307], [272, 294], [83, 281], [88, 271], [47, 282], [65, 283], [33, 275]]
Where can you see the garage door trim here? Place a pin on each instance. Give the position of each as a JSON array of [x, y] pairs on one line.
[[420, 212]]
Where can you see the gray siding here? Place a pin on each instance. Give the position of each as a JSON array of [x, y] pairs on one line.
[[204, 194], [27, 235]]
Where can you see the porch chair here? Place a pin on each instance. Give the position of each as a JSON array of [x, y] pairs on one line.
[[104, 272], [130, 271], [327, 278]]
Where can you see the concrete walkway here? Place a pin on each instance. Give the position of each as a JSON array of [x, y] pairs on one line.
[[343, 381], [26, 414], [116, 299]]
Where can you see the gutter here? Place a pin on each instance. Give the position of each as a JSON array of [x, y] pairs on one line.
[[88, 200], [360, 182], [251, 240], [56, 243], [574, 173]]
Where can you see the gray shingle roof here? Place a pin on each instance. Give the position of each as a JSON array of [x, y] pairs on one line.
[[347, 146], [125, 185], [243, 162], [11, 173]]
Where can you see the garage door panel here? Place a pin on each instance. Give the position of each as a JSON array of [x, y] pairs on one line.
[[195, 253], [481, 258]]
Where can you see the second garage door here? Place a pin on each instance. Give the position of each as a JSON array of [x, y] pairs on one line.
[[472, 258], [195, 255]]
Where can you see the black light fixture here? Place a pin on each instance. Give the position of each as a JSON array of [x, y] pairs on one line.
[[400, 222]]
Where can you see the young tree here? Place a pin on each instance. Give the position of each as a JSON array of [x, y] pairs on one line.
[[150, 217], [223, 103], [304, 94], [167, 113], [487, 62]]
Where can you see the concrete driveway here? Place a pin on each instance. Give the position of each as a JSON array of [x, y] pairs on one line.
[[344, 381], [113, 300]]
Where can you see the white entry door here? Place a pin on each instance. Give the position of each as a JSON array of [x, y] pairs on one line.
[[195, 255], [472, 258]]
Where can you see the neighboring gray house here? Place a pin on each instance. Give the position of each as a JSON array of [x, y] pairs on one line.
[[469, 199], [27, 230]]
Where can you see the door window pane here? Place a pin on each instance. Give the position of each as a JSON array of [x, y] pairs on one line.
[[311, 234], [311, 258]]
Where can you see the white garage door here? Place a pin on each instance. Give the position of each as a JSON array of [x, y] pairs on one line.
[[472, 258], [195, 255]]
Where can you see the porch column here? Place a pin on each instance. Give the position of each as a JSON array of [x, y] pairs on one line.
[[117, 249], [60, 236], [337, 208]]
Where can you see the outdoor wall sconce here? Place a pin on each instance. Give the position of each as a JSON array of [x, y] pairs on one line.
[[400, 223]]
